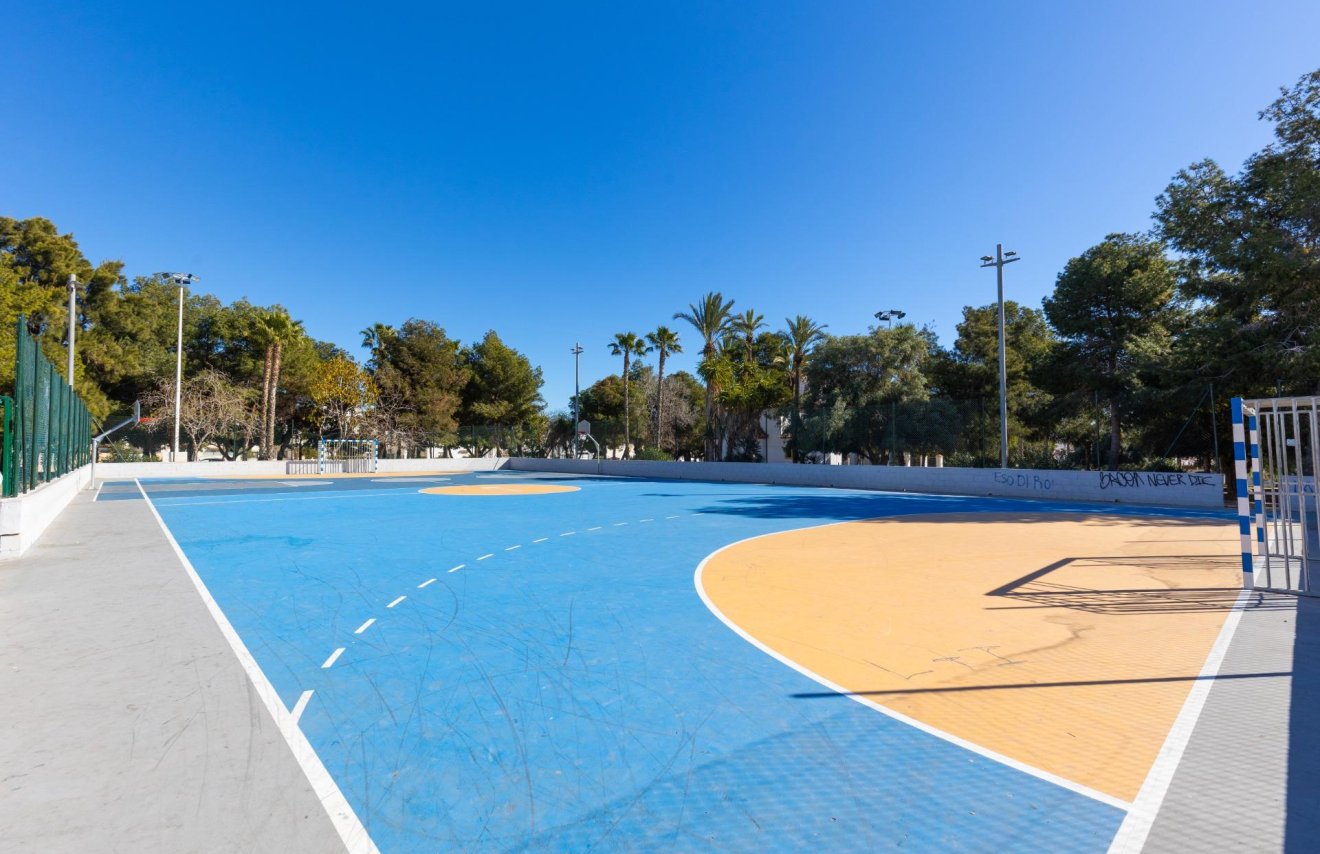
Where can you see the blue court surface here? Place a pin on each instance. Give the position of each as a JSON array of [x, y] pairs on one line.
[[538, 671]]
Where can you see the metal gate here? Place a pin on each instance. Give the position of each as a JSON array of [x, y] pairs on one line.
[[1281, 458]]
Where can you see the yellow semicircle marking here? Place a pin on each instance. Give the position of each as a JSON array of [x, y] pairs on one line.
[[1067, 643], [499, 489]]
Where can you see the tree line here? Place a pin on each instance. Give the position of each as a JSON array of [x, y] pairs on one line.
[[1128, 363]]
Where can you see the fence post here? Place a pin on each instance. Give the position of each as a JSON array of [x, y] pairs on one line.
[[8, 483], [1243, 501]]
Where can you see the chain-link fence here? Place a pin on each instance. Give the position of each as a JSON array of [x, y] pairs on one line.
[[47, 428]]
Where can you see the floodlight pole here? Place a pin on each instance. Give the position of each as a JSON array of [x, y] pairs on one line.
[[577, 414], [893, 404], [73, 321], [998, 263], [182, 280]]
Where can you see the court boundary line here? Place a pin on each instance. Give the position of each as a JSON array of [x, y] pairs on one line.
[[1017, 765], [1136, 827], [345, 821]]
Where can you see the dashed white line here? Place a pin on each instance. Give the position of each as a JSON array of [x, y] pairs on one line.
[[428, 582], [362, 628], [671, 517], [457, 568], [334, 656], [396, 601], [645, 520], [597, 528], [483, 557], [568, 533], [511, 548], [300, 706], [620, 524], [540, 540]]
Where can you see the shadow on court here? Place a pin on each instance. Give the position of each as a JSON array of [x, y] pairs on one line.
[[1302, 827]]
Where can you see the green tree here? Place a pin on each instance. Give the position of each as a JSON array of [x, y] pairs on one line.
[[629, 346], [1113, 309], [422, 372], [856, 384], [274, 328], [968, 373], [663, 341], [1251, 254], [710, 317], [505, 389], [802, 334]]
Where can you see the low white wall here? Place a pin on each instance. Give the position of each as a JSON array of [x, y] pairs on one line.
[[1178, 490], [249, 468], [23, 519]]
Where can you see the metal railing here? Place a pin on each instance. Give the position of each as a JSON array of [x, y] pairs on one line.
[[47, 428]]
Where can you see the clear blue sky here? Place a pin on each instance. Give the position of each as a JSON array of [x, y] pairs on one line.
[[563, 171]]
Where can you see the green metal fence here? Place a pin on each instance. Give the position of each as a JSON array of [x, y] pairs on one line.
[[47, 428]]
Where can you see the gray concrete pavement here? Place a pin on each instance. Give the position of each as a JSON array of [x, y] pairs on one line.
[[127, 723]]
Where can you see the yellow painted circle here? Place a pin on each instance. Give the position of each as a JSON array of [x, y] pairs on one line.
[[499, 489]]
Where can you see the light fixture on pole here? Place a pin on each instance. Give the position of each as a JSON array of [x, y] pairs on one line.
[[1001, 258], [890, 316], [182, 280], [577, 414], [73, 321]]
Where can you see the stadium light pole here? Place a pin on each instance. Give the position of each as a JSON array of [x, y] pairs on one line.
[[577, 414], [889, 316], [73, 320], [1001, 258], [182, 280]]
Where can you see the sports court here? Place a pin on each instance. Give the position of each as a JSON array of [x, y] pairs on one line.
[[526, 660]]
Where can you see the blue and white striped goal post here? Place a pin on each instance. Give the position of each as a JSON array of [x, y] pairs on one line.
[[1243, 489]]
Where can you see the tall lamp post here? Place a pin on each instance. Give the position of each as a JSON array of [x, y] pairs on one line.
[[182, 280], [890, 316], [1001, 258], [73, 320], [577, 414]]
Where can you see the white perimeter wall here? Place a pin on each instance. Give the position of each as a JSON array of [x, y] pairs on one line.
[[249, 468], [23, 519], [1158, 488]]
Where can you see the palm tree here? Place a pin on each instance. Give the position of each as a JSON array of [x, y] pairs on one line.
[[747, 324], [627, 345], [663, 341], [273, 329], [802, 335], [710, 317], [375, 336]]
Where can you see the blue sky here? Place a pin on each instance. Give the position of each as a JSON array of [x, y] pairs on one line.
[[562, 172]]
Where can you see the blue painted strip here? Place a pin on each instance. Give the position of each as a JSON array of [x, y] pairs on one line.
[[1241, 488], [1246, 563], [1239, 451]]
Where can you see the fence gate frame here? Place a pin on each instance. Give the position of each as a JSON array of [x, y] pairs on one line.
[[1276, 458]]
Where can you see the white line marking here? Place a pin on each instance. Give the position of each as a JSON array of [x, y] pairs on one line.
[[362, 628], [540, 540], [568, 533], [672, 517], [597, 528], [620, 524], [869, 703], [301, 706], [645, 520], [427, 583], [375, 493], [396, 601], [98, 491], [457, 568], [1131, 836], [483, 557], [511, 548], [334, 656], [346, 822]]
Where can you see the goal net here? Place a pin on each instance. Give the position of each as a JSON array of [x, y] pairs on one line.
[[347, 456]]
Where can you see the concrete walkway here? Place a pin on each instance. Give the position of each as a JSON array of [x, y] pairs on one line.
[[128, 722]]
